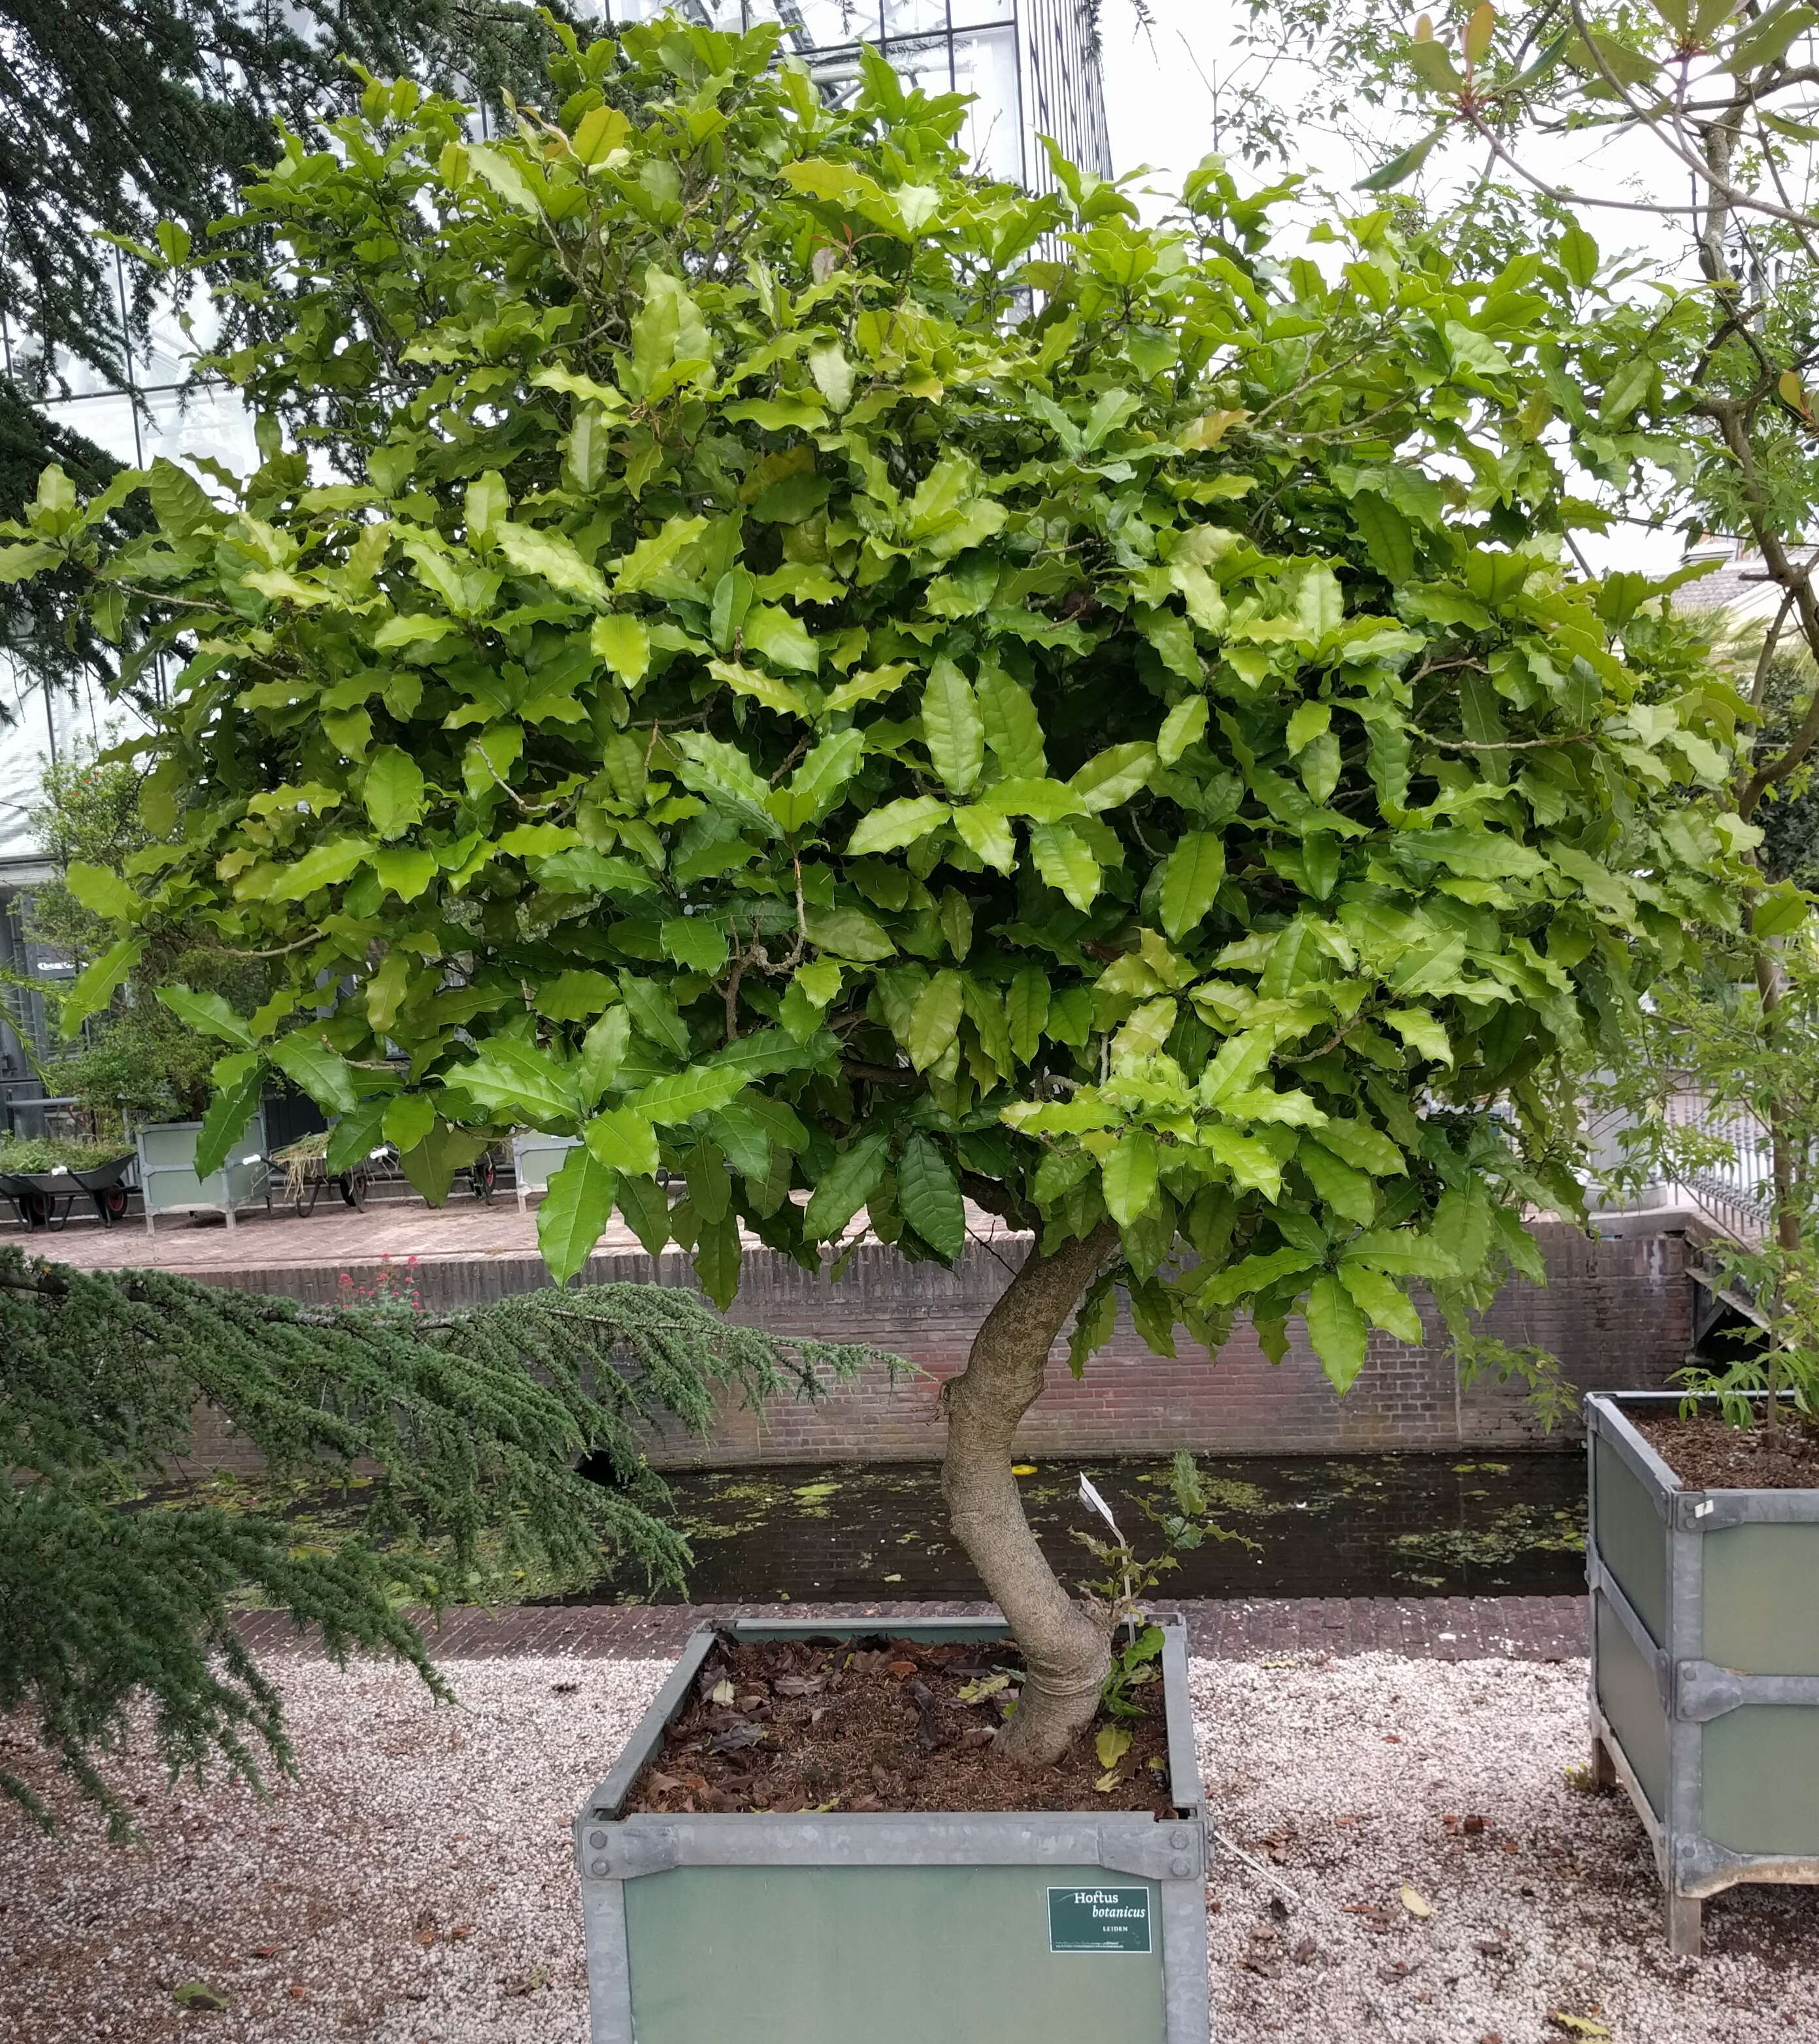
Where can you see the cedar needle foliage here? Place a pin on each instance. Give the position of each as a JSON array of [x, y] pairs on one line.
[[476, 1419]]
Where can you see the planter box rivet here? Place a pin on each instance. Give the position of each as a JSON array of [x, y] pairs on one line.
[[1705, 1674], [1046, 1927]]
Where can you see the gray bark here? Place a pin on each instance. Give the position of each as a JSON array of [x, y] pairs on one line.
[[1067, 1652]]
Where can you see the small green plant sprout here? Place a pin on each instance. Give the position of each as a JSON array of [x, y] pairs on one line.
[[1121, 1597], [1119, 1600], [1189, 1526]]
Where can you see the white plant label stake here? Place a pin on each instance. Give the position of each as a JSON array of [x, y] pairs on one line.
[[1091, 1499]]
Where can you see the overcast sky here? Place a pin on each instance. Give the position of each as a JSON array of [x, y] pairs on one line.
[[1161, 87]]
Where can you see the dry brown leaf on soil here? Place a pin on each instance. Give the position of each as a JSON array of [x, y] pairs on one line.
[[987, 1685]]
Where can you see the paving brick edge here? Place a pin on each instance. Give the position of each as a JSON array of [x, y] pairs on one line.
[[1509, 1628]]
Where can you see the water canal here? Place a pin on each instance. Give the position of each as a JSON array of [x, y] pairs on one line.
[[1352, 1526]]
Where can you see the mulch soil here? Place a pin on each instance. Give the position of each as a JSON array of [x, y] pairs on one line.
[[1706, 1455], [791, 1726]]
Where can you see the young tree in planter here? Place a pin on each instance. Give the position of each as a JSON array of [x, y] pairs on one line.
[[846, 680]]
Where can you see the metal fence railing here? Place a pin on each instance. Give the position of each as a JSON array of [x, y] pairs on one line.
[[1731, 1183]]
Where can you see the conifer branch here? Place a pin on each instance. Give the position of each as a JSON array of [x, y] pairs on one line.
[[480, 1422]]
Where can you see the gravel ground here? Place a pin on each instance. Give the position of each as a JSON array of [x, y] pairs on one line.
[[1355, 1782], [415, 1884]]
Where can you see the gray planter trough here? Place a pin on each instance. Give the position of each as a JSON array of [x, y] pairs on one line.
[[1033, 1928], [168, 1182], [1705, 1682]]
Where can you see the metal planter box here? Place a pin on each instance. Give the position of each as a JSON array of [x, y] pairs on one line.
[[1036, 1927], [535, 1159], [167, 1180], [1705, 1681]]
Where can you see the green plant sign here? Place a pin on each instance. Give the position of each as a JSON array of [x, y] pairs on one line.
[[786, 706], [1099, 1920]]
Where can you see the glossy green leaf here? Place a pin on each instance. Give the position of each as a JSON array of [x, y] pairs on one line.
[[952, 727], [717, 1256], [685, 1094], [624, 1139], [784, 641], [1404, 1253], [519, 1080], [1184, 726], [1026, 1010], [324, 866], [101, 890], [207, 1013], [1093, 1325], [897, 824], [818, 783], [645, 1206], [431, 1167], [408, 1119], [1013, 729], [405, 870], [1128, 1172], [1065, 863], [1252, 1274], [1350, 1193], [848, 933], [602, 1051], [552, 557], [696, 942], [855, 1174], [1383, 1301], [393, 791], [623, 643], [240, 1082], [322, 1072], [1192, 878], [1361, 1145], [355, 1136], [934, 1020], [1338, 1331], [928, 1193], [1114, 775], [988, 835], [574, 1213]]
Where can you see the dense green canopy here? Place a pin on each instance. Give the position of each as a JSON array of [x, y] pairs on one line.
[[845, 680]]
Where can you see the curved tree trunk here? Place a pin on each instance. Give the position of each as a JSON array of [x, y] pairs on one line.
[[1067, 1653]]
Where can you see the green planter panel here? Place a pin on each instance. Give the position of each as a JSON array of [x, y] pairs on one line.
[[1025, 1927], [1761, 1616], [712, 1947]]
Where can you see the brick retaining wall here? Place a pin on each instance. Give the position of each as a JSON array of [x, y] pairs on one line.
[[1617, 1311]]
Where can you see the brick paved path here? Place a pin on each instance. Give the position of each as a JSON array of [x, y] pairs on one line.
[[332, 1238], [1425, 1628]]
